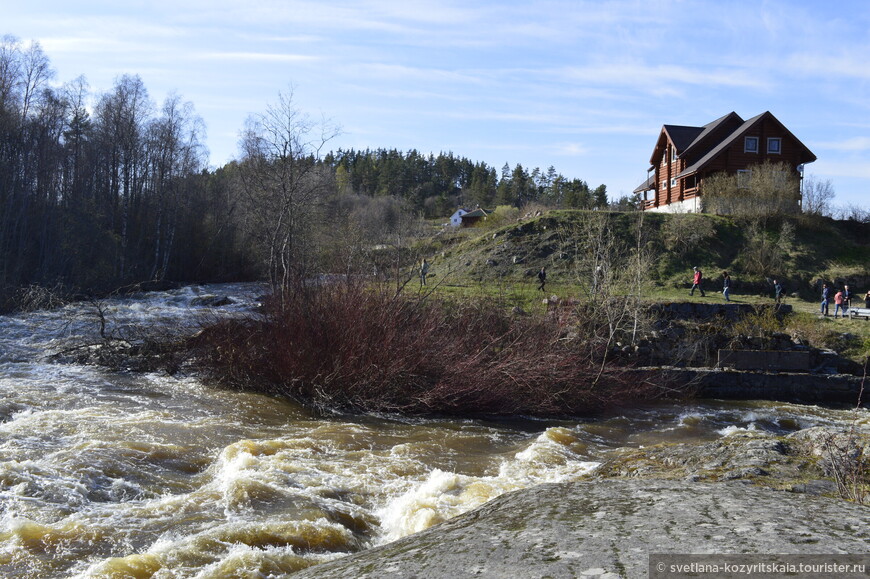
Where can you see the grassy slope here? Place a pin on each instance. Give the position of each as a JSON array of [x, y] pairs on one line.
[[502, 262]]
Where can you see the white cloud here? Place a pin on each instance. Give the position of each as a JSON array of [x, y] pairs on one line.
[[658, 77], [850, 65], [571, 149], [853, 144], [855, 169], [256, 56]]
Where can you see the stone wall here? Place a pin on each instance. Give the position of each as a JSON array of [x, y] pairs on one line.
[[803, 388]]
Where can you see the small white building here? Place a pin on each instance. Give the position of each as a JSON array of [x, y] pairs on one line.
[[456, 218]]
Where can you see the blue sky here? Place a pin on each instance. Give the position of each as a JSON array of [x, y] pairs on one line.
[[582, 86]]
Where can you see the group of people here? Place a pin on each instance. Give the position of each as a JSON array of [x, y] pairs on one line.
[[698, 280], [842, 300]]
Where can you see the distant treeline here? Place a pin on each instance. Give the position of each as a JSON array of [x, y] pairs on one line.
[[437, 185], [99, 190]]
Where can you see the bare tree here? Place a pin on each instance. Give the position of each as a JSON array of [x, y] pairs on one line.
[[121, 118], [817, 195], [616, 273], [285, 186], [176, 151], [36, 72]]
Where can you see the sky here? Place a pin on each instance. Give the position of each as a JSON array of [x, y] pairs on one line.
[[581, 86]]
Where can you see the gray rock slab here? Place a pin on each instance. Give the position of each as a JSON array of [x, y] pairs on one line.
[[609, 528]]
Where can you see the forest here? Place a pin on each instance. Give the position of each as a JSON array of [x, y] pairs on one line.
[[101, 189]]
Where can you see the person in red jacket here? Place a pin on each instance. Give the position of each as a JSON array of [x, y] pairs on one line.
[[839, 304], [697, 279]]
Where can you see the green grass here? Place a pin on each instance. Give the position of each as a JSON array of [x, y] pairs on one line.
[[498, 262], [523, 293]]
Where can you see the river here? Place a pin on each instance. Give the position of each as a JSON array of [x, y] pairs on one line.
[[114, 474]]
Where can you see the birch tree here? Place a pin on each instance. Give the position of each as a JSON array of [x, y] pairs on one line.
[[285, 187]]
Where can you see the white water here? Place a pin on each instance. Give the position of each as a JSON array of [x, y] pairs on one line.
[[120, 475]]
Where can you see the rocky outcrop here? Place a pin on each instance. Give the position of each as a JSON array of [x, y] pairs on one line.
[[609, 529], [816, 460], [747, 492]]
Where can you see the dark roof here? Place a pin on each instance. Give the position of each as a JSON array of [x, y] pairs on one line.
[[682, 136], [723, 144], [479, 212], [708, 129], [650, 183], [733, 136], [685, 138]]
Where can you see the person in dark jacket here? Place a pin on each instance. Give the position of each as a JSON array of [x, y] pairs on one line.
[[726, 286], [424, 271], [542, 277], [825, 293]]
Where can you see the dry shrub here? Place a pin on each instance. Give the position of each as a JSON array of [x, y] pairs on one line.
[[764, 321], [846, 459], [346, 347]]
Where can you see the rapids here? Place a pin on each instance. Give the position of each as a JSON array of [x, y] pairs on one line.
[[112, 474]]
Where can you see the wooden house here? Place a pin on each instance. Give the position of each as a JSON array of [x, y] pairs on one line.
[[684, 156], [473, 217]]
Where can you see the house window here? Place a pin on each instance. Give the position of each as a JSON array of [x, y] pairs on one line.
[[673, 154], [750, 145], [673, 182], [743, 178], [774, 145], [664, 185]]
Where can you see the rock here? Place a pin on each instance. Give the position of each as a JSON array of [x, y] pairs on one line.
[[609, 529], [755, 456], [815, 487], [211, 301]]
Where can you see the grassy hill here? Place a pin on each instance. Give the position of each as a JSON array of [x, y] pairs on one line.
[[651, 256], [801, 252]]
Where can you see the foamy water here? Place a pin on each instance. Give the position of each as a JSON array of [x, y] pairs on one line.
[[120, 475]]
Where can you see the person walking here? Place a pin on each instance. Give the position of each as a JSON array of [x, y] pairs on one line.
[[697, 280], [777, 292], [847, 297], [824, 306], [726, 286], [838, 304], [424, 271], [542, 277]]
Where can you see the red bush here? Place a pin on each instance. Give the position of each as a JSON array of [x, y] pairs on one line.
[[346, 347]]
